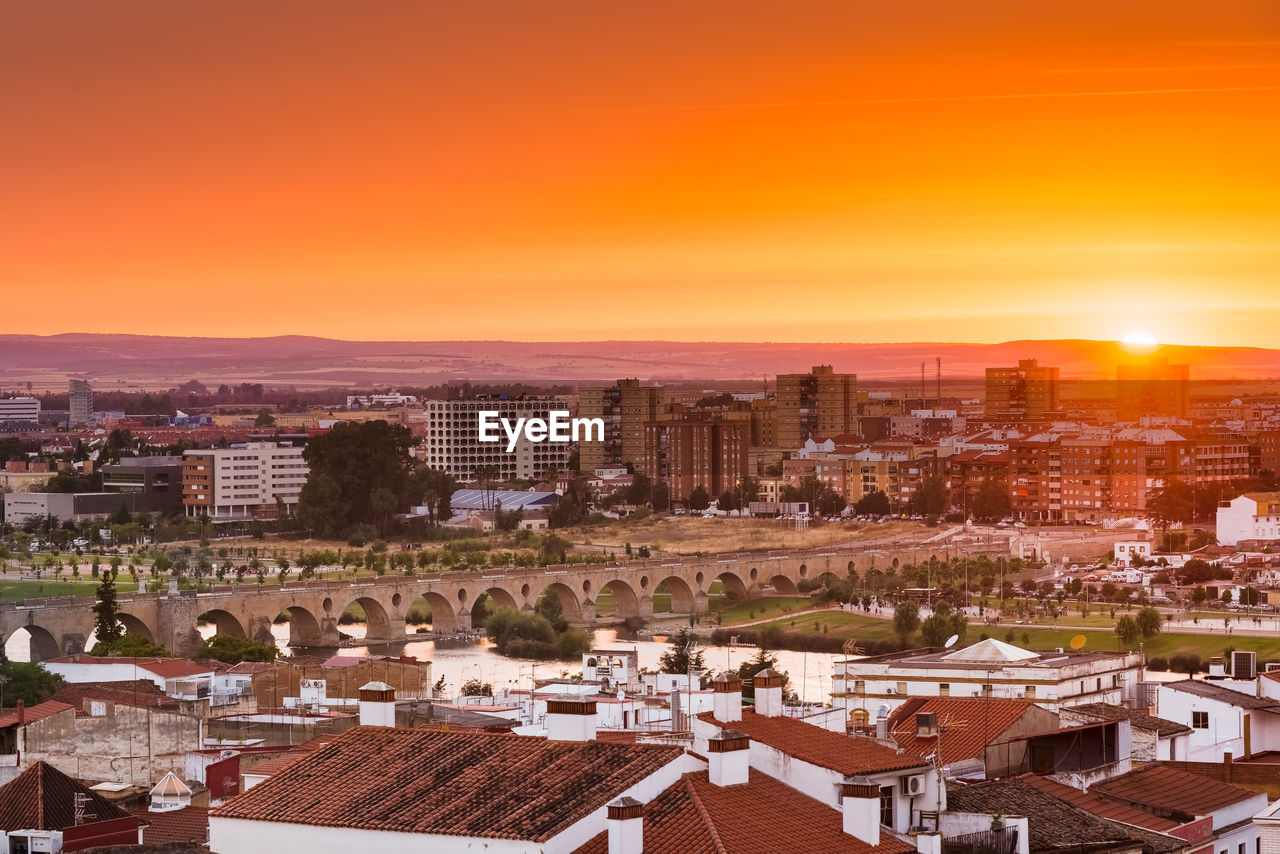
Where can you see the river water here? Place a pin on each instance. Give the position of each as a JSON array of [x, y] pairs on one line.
[[458, 661]]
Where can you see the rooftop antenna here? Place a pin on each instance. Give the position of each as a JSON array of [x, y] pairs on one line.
[[80, 800], [922, 384], [939, 359]]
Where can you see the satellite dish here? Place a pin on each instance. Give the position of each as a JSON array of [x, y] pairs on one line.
[[951, 641], [1079, 641]]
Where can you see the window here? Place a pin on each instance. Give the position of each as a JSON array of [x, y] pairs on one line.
[[1199, 720], [944, 689], [1031, 692], [902, 688], [886, 805]]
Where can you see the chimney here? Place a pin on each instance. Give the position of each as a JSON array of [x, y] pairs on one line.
[[626, 826], [929, 843], [1217, 667], [860, 798], [882, 724], [768, 690], [377, 704], [727, 700], [571, 718], [728, 757]]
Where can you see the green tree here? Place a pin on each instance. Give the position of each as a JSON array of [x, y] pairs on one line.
[[930, 498], [906, 620], [682, 654], [550, 608], [873, 504], [944, 622], [106, 624], [475, 688], [433, 489], [761, 660], [1127, 630], [699, 499], [348, 465], [233, 649], [264, 419], [992, 500], [1149, 622], [131, 646], [28, 682], [1172, 503]]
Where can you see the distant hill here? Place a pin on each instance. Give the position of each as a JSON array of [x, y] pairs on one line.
[[123, 361]]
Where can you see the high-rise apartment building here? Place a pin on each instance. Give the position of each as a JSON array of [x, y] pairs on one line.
[[1269, 451], [1025, 392], [1154, 388], [819, 404], [15, 411], [625, 407], [245, 482], [81, 403], [706, 451], [451, 439]]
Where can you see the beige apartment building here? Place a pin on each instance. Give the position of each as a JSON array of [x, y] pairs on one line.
[[242, 482], [625, 407], [1026, 391], [819, 404]]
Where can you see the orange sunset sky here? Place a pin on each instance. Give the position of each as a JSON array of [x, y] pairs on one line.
[[683, 169]]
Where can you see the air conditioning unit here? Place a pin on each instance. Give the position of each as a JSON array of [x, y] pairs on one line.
[[913, 785], [1244, 664]]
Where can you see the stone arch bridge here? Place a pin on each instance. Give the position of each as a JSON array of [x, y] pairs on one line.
[[62, 626]]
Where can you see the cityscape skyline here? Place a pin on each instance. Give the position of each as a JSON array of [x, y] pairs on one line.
[[916, 173]]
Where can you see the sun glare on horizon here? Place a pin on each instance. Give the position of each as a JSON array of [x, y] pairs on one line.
[[1139, 342]]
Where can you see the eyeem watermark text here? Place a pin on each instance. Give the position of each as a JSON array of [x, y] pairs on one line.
[[559, 427]]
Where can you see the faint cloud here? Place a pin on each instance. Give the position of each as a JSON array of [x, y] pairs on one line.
[[944, 99], [1244, 66]]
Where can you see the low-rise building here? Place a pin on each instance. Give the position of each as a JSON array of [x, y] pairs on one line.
[[1222, 720], [1151, 738], [1251, 516], [874, 687]]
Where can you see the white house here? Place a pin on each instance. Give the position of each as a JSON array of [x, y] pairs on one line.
[[1222, 720], [1251, 516], [177, 677], [874, 687]]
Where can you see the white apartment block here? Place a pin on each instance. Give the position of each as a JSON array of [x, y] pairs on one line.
[[19, 410], [452, 443], [989, 668], [242, 482], [1252, 516]]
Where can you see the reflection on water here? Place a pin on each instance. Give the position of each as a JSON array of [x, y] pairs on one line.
[[458, 661]]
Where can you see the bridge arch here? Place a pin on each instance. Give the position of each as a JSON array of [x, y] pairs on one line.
[[625, 601], [502, 598], [304, 628], [569, 604], [223, 622], [784, 585], [680, 592], [39, 640], [377, 623], [444, 619], [735, 590], [135, 626]]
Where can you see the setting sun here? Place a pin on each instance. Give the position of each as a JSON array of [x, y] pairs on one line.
[[1139, 342]]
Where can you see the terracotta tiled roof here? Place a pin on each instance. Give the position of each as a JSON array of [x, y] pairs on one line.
[[139, 693], [189, 824], [9, 717], [43, 798], [276, 764], [1053, 822], [1150, 723], [1096, 804], [968, 725], [808, 743], [694, 816], [1167, 788], [483, 785]]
